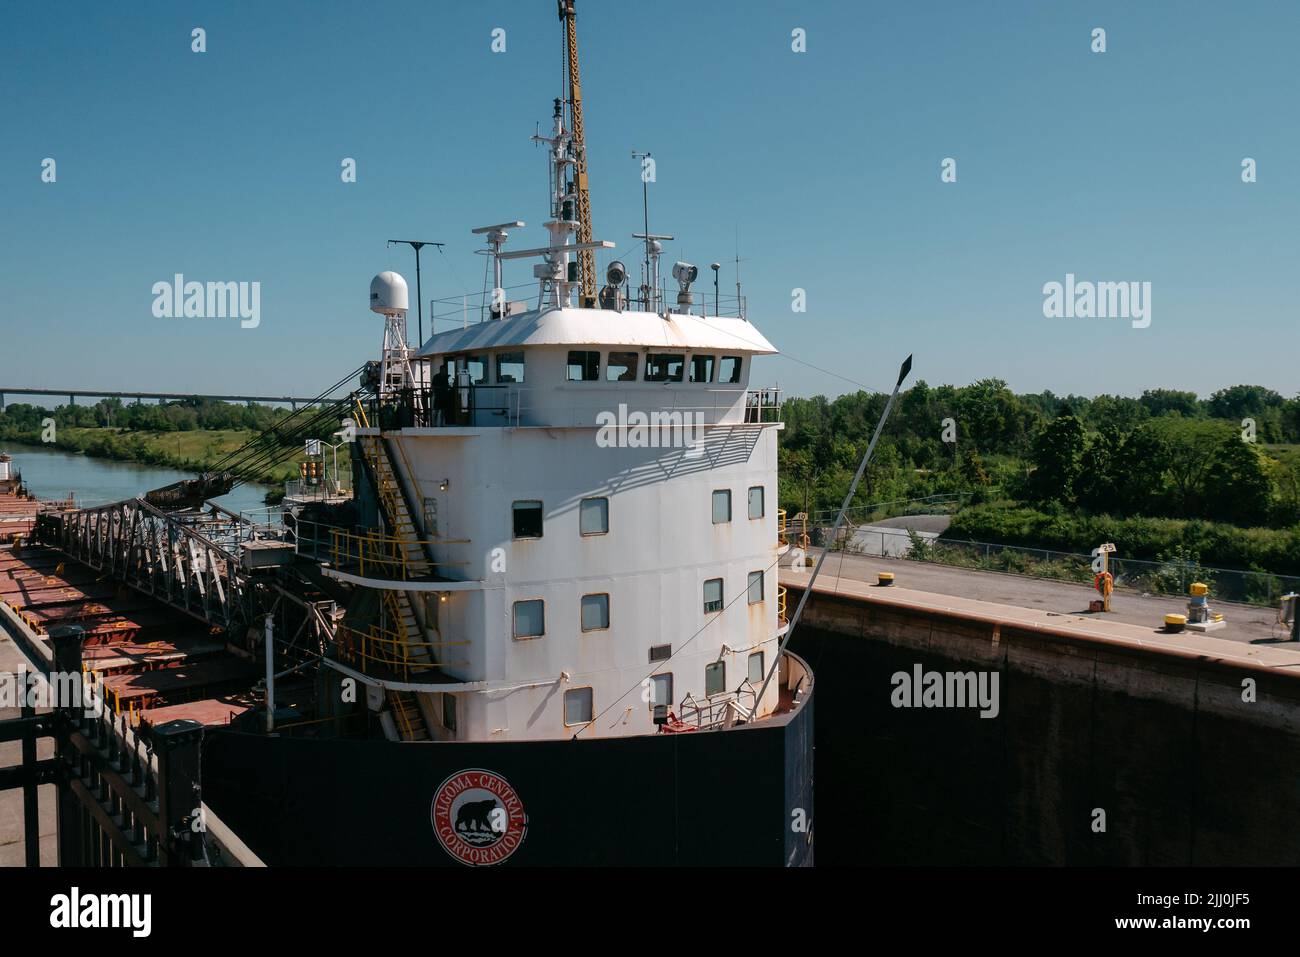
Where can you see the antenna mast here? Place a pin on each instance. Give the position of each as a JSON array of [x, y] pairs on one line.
[[586, 257]]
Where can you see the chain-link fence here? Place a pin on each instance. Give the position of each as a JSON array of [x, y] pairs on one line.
[[1168, 577]]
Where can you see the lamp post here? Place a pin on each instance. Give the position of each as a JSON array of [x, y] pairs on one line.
[[417, 245]]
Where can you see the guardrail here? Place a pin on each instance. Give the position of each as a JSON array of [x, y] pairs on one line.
[[488, 405], [370, 552], [720, 710], [379, 649]]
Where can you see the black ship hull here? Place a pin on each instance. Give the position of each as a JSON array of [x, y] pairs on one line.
[[742, 796]]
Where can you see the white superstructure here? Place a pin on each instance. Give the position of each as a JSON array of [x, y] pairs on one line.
[[580, 508]]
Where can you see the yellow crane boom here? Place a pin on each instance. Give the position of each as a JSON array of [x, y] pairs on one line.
[[586, 257]]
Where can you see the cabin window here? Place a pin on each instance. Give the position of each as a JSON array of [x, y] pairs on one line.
[[595, 612], [756, 501], [510, 367], [756, 670], [527, 519], [621, 367], [702, 368], [721, 506], [664, 367], [661, 690], [530, 618], [478, 369], [577, 706], [583, 367], [715, 678], [712, 596], [593, 516], [755, 587], [729, 369], [449, 711]]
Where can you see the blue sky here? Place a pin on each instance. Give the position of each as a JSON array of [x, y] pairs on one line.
[[1121, 166]]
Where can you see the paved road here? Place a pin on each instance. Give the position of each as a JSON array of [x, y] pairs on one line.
[[1248, 623], [919, 523]]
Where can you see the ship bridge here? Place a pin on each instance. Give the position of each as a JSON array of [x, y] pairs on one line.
[[582, 368]]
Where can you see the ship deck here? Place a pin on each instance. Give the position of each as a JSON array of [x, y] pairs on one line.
[[154, 662]]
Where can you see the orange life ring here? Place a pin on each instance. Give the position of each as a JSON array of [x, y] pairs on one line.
[[1104, 583]]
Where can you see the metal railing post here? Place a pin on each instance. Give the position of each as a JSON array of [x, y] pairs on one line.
[[178, 767], [69, 838]]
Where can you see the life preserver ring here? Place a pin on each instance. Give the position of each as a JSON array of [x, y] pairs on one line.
[[1104, 583]]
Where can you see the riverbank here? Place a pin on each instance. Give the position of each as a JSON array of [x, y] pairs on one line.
[[192, 451], [52, 473]]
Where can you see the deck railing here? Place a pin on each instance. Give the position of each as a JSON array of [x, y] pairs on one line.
[[577, 405], [719, 710], [379, 649]]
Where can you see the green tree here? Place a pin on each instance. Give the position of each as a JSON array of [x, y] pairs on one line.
[[1056, 454], [1237, 487]]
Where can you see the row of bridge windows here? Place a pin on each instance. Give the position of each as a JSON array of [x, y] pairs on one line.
[[584, 366]]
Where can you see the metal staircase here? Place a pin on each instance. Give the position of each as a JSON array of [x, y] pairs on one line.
[[412, 653]]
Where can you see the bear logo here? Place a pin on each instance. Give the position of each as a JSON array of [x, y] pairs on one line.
[[478, 817]]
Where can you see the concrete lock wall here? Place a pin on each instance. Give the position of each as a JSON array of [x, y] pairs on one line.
[[1185, 770]]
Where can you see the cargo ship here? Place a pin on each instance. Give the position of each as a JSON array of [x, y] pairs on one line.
[[542, 626]]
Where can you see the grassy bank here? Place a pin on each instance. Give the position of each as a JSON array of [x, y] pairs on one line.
[[192, 451], [1153, 539]]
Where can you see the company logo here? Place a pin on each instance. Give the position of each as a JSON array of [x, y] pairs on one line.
[[478, 817]]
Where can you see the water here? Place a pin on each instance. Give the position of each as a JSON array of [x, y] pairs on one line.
[[52, 473]]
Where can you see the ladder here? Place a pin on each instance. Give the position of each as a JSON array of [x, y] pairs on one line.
[[407, 716]]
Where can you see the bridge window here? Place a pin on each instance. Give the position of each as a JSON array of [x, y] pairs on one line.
[[756, 501], [583, 367], [702, 368], [721, 506], [729, 369], [595, 612], [661, 690], [527, 519], [621, 367], [510, 367], [593, 516], [755, 587], [756, 670], [478, 369], [578, 707], [712, 596], [530, 618], [715, 678], [664, 366]]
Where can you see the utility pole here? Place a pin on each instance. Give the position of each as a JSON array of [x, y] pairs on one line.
[[417, 245]]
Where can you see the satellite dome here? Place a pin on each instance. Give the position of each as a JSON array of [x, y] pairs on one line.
[[388, 294]]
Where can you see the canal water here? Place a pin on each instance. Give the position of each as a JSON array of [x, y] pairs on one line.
[[53, 473]]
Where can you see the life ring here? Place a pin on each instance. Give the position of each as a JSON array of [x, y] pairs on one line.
[[1104, 583]]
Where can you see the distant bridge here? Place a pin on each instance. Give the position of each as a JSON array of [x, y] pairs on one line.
[[73, 394]]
